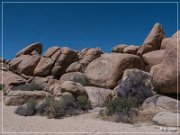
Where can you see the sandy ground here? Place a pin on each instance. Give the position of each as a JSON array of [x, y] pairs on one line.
[[87, 124]]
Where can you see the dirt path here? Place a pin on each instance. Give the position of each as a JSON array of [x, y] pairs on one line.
[[88, 124]]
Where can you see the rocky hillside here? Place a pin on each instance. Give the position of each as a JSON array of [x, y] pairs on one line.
[[146, 71]]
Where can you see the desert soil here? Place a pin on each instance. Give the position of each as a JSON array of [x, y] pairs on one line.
[[87, 124]]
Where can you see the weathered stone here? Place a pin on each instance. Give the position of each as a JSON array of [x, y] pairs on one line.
[[159, 103], [55, 89], [166, 74], [44, 67], [164, 43], [14, 63], [98, 96], [119, 48], [153, 58], [28, 64], [75, 67], [153, 40], [10, 78], [76, 77], [50, 51], [30, 48], [167, 119], [73, 88], [107, 70], [20, 97], [132, 49]]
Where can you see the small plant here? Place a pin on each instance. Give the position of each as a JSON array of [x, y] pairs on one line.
[[55, 109], [28, 87], [28, 109], [60, 108], [2, 86], [83, 102], [121, 108]]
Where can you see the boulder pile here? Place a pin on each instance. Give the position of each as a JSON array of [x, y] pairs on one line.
[[146, 71]]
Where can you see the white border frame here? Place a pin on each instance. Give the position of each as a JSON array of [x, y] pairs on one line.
[[177, 4]]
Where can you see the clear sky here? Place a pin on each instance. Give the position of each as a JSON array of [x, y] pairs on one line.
[[79, 26]]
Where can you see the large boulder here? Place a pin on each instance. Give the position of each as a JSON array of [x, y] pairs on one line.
[[51, 51], [107, 70], [28, 64], [159, 103], [10, 78], [14, 63], [20, 97], [167, 119], [45, 82], [136, 83], [44, 67], [119, 48], [35, 48], [132, 49], [153, 58], [98, 96], [153, 40], [73, 88], [75, 77], [166, 75]]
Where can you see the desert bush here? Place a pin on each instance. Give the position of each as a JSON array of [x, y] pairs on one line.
[[55, 109], [121, 108], [2, 86], [83, 102], [28, 109], [42, 107], [59, 108], [28, 87]]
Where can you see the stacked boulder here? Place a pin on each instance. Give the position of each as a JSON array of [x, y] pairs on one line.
[[128, 70], [26, 59], [55, 61]]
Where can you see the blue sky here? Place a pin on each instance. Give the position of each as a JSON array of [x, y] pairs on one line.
[[81, 26]]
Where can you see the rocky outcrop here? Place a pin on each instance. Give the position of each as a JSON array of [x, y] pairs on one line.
[[35, 48], [167, 119], [160, 103], [76, 77], [107, 70], [55, 61], [10, 78], [135, 83], [119, 48], [28, 64], [153, 58], [20, 97], [98, 96], [153, 40], [73, 88], [166, 73], [44, 67], [86, 56], [132, 49]]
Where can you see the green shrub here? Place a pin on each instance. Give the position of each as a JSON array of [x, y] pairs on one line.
[[55, 109], [28, 109], [28, 87], [122, 108], [2, 86], [83, 102]]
